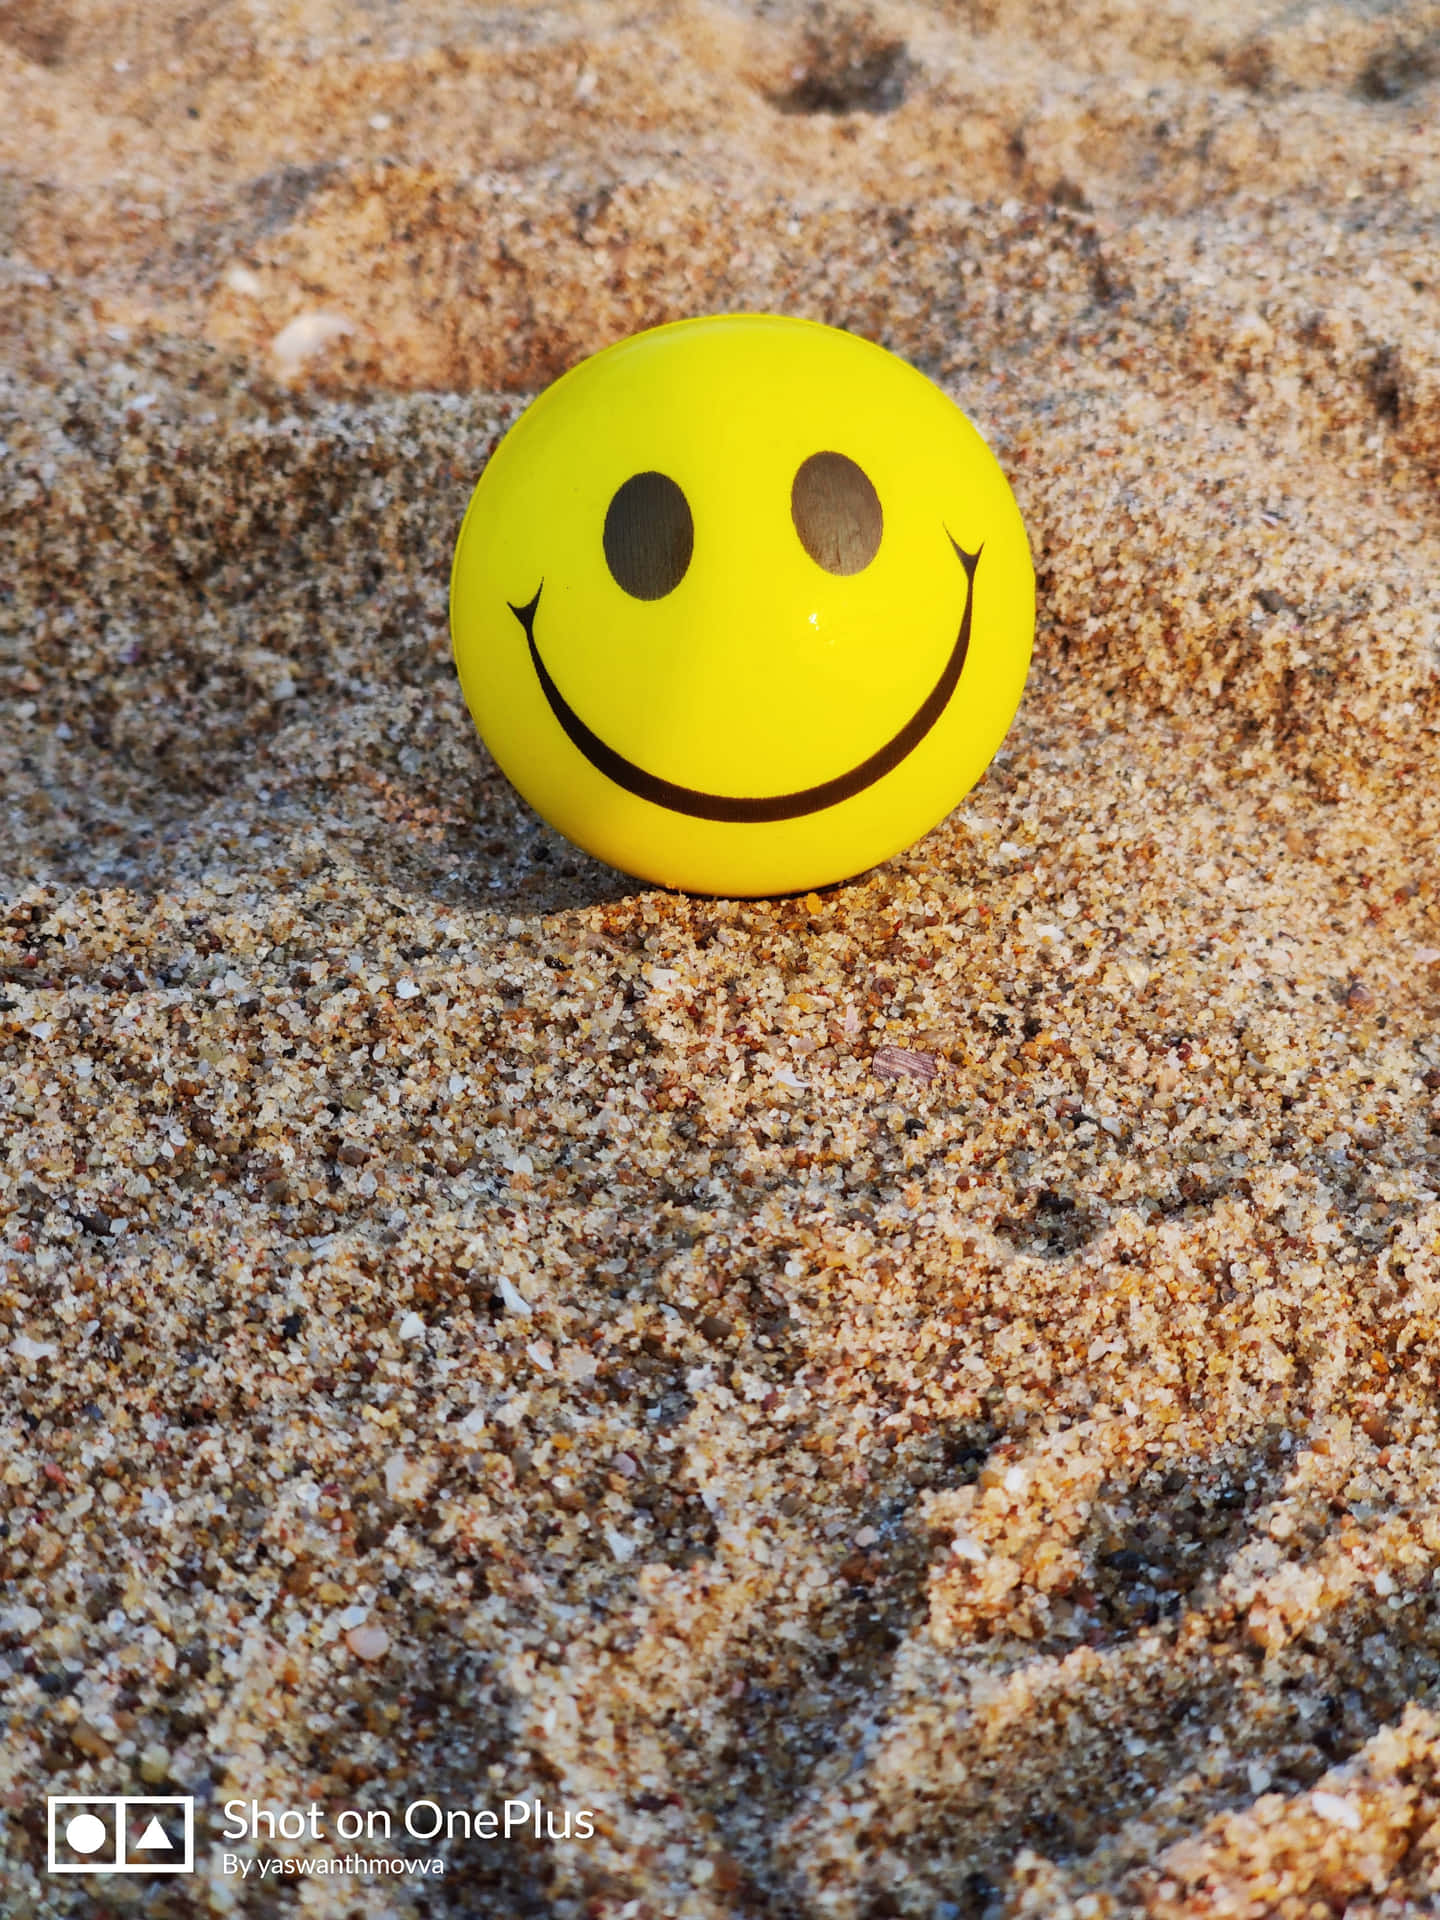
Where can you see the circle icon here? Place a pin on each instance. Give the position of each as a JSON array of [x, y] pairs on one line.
[[86, 1833], [743, 605]]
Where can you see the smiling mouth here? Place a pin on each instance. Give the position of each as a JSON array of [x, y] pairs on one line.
[[767, 806]]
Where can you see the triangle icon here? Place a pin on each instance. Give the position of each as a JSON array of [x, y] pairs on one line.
[[154, 1836]]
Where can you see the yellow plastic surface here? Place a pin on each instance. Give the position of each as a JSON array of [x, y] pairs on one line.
[[765, 725]]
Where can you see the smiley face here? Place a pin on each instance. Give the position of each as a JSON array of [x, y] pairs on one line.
[[742, 605]]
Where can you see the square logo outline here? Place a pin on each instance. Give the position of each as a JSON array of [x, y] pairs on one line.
[[123, 1803]]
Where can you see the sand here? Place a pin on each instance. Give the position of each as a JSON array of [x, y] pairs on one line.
[[918, 1399]]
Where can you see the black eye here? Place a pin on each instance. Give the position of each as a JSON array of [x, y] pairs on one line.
[[836, 513], [649, 536]]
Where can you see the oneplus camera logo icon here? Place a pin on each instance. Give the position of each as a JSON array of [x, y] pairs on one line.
[[121, 1833]]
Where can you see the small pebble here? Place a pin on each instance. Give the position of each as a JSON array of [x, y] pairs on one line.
[[368, 1643], [902, 1063]]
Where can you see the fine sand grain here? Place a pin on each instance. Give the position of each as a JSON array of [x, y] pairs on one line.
[[913, 1400]]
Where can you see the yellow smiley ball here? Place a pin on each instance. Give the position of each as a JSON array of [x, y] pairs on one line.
[[743, 605]]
